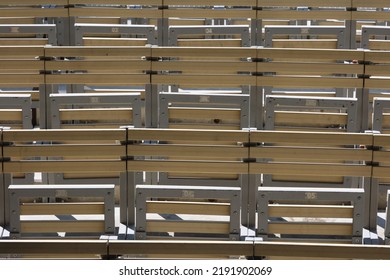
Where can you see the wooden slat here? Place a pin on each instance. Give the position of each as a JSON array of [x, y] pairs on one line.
[[68, 166], [303, 15], [11, 114], [319, 154], [114, 12], [302, 43], [209, 13], [379, 45], [212, 67], [297, 68], [188, 135], [180, 207], [187, 151], [117, 2], [102, 41], [209, 3], [99, 79], [310, 179], [22, 64], [65, 135], [97, 151], [310, 119], [188, 167], [204, 113], [188, 226], [204, 126], [298, 3], [209, 43], [207, 52], [108, 52], [311, 138], [61, 226], [310, 169], [28, 80], [311, 55], [61, 208], [309, 82], [381, 157], [312, 211], [106, 114], [306, 228], [381, 172], [381, 70], [122, 66], [205, 80]]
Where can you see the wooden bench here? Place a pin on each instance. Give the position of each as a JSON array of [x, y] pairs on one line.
[[311, 113], [203, 110], [96, 34], [294, 11], [311, 71], [95, 110], [209, 13], [313, 159], [93, 68], [338, 37], [178, 35], [189, 154], [93, 152], [191, 68], [112, 18], [188, 218], [41, 218], [310, 217]]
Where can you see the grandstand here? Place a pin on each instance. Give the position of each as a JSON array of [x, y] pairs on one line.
[[194, 129]]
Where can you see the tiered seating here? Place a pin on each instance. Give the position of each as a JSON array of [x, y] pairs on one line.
[[213, 92]]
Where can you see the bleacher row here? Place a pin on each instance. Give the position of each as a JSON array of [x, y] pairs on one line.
[[260, 128], [187, 211], [334, 24], [265, 79]]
